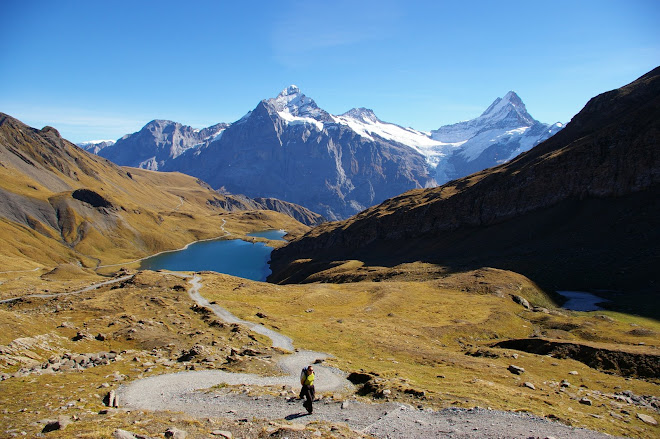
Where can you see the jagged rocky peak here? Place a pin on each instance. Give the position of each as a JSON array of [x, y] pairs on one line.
[[158, 125], [509, 107], [291, 100], [362, 114], [94, 146], [505, 113]]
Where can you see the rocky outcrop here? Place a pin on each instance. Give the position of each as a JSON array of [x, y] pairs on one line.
[[232, 203], [66, 363], [566, 212], [90, 197], [629, 364], [157, 142]]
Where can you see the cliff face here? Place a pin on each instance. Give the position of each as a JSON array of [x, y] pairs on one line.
[[600, 173], [233, 203], [156, 143]]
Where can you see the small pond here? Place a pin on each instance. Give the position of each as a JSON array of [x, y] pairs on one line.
[[235, 257], [581, 301]]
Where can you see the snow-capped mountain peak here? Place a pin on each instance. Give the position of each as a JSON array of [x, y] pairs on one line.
[[293, 101], [362, 114], [509, 107], [499, 134], [290, 90], [296, 108]]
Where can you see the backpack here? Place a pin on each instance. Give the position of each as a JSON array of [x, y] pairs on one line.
[[303, 375]]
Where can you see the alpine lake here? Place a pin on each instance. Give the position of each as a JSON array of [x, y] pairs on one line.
[[236, 257], [249, 260]]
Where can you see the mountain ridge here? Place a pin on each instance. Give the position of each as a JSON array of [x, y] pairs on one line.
[[357, 160], [288, 148]]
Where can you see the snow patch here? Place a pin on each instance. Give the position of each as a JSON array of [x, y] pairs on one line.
[[217, 136], [290, 119], [94, 142], [365, 123]]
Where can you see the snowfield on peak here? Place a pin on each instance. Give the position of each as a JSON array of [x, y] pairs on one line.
[[366, 124], [498, 135], [297, 109]]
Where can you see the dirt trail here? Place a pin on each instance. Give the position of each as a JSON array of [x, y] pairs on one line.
[[183, 392], [89, 288]]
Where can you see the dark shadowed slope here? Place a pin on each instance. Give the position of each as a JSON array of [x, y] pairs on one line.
[[579, 211]]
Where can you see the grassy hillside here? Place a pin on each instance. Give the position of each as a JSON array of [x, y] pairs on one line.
[[426, 343], [432, 342], [60, 204]]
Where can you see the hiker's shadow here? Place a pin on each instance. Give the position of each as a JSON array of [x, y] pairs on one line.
[[295, 416]]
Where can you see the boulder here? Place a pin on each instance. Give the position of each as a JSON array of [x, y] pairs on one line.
[[521, 301], [193, 352], [111, 400], [586, 401], [122, 434], [80, 335], [175, 433], [59, 424], [647, 419], [516, 370], [359, 377]]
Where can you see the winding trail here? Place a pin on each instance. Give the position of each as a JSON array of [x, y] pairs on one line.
[[23, 271], [88, 288], [183, 392]]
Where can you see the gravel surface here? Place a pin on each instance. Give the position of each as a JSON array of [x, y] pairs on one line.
[[83, 290], [186, 392]]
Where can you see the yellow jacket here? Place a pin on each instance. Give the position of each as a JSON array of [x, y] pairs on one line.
[[307, 380]]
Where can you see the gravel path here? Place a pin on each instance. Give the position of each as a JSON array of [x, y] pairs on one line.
[[182, 392], [89, 288]]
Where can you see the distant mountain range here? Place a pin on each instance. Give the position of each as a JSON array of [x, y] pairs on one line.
[[577, 212], [289, 148]]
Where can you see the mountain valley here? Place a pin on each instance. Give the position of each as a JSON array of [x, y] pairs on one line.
[[440, 298]]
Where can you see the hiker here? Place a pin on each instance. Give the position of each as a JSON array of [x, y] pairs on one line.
[[307, 391]]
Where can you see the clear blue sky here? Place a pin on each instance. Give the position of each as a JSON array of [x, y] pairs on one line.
[[101, 69]]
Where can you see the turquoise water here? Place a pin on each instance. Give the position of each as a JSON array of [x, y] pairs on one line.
[[236, 257]]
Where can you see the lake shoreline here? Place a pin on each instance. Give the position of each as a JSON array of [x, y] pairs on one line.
[[582, 301], [246, 258]]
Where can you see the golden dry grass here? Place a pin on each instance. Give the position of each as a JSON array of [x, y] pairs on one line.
[[424, 335], [151, 211], [419, 335], [150, 314]]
